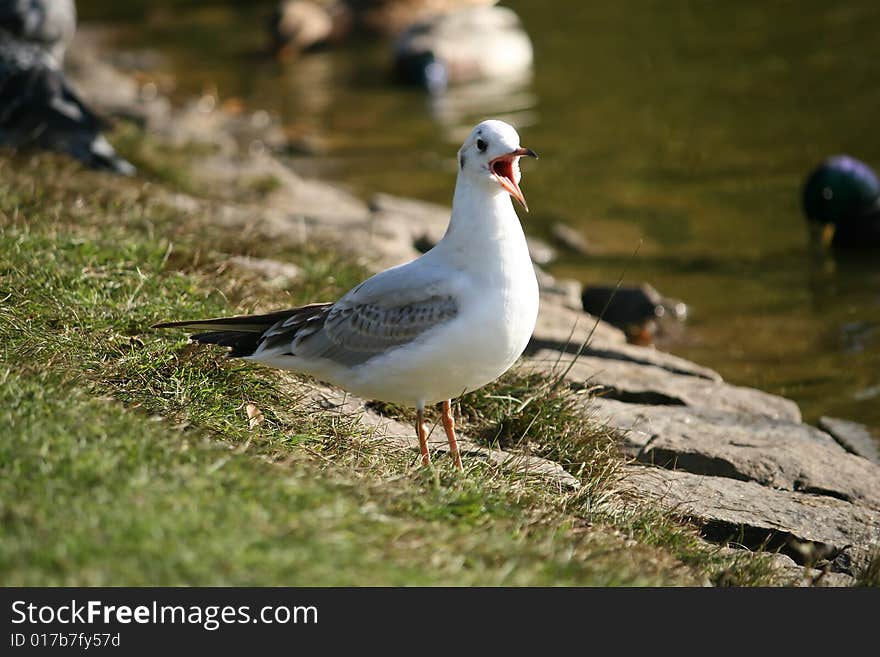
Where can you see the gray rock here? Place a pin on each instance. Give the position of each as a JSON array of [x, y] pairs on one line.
[[602, 348], [276, 273], [424, 223], [854, 437], [570, 238], [648, 384], [560, 325], [298, 210], [825, 579], [788, 573], [540, 252], [642, 424], [320, 204], [814, 577], [806, 526], [776, 453], [558, 291]]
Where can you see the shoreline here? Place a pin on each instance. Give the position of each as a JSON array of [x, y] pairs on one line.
[[736, 461]]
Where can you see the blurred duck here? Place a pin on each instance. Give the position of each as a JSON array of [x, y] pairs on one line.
[[841, 201], [636, 310], [38, 106], [50, 24], [300, 25], [477, 43]]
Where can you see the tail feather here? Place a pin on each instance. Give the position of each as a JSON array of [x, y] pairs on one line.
[[97, 153], [241, 343], [240, 323], [245, 333]]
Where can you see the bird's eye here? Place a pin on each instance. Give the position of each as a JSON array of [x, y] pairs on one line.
[[481, 145]]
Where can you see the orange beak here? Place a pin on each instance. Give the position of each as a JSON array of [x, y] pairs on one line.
[[505, 168]]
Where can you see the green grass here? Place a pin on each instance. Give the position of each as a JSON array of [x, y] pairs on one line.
[[129, 457]]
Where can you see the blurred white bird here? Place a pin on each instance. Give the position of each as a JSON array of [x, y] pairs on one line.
[[298, 25], [476, 43]]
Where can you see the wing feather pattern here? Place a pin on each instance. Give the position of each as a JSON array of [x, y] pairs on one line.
[[351, 334], [346, 333]]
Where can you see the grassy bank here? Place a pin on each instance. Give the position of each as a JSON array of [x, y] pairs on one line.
[[132, 458]]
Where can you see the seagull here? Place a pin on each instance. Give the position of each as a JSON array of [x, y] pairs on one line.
[[50, 24], [424, 332], [38, 104]]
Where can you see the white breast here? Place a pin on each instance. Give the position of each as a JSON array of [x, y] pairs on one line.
[[496, 318]]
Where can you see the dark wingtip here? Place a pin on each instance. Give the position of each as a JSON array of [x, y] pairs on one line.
[[240, 344]]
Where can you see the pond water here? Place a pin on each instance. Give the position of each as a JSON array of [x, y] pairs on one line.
[[686, 127]]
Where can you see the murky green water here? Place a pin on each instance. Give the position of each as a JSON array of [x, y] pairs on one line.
[[686, 125]]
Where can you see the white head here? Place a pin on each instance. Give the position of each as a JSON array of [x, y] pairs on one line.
[[490, 157]]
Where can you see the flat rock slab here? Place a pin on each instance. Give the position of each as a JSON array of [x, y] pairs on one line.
[[754, 514], [813, 577], [399, 435], [854, 437], [651, 356], [648, 384], [601, 347], [776, 453], [313, 200], [564, 292], [570, 238]]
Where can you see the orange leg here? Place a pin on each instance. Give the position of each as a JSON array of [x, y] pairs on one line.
[[422, 431], [449, 425]]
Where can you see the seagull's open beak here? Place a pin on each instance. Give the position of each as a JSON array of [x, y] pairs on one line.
[[506, 169]]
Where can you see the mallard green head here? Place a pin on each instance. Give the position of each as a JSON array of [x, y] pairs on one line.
[[841, 194]]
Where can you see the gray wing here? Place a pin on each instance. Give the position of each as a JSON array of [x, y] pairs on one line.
[[391, 309], [353, 333]]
